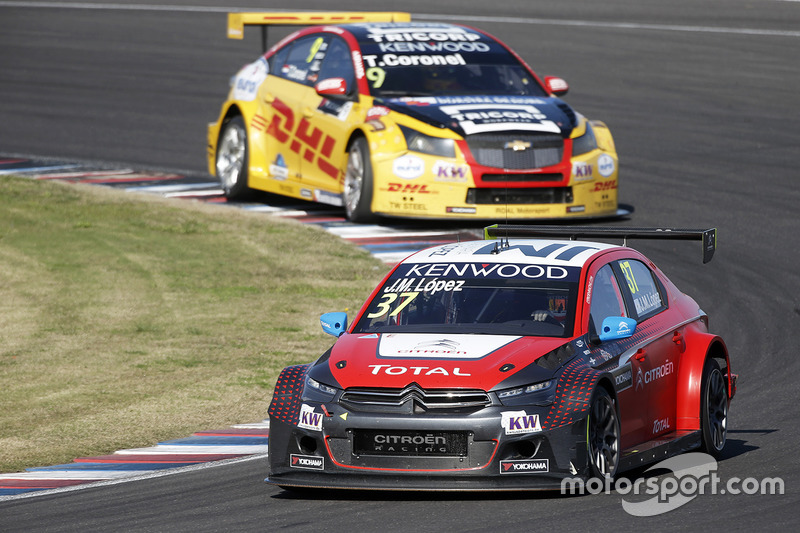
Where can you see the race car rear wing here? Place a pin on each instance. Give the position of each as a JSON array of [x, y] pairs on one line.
[[237, 21], [707, 236]]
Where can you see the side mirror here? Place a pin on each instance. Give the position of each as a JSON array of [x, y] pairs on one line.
[[556, 86], [332, 88], [334, 323], [617, 327]]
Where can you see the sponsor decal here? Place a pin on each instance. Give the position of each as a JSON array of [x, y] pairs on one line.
[[416, 371], [576, 209], [654, 374], [582, 172], [605, 165], [358, 64], [647, 302], [486, 101], [395, 60], [477, 118], [325, 197], [417, 277], [623, 328], [388, 34], [524, 466], [450, 172], [335, 108], [609, 185], [309, 462], [516, 422], [408, 188], [249, 79], [408, 167], [623, 381], [429, 346], [662, 424], [463, 210], [303, 138], [278, 168], [374, 116], [309, 419], [559, 251], [589, 286], [306, 193]]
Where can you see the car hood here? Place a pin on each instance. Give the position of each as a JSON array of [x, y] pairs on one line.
[[395, 360], [468, 115]]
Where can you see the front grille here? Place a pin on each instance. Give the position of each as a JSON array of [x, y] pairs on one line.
[[521, 196], [516, 151], [521, 177], [414, 398], [410, 443]]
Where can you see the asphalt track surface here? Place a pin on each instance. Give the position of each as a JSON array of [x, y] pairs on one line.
[[702, 100]]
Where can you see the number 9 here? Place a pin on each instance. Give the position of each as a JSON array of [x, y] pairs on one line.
[[376, 75]]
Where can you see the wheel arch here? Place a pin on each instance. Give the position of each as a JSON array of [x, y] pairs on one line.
[[690, 377]]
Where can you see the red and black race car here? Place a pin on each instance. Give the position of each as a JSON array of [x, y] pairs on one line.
[[508, 363]]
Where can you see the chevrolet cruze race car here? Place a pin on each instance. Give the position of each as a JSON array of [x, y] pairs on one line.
[[419, 120], [506, 364]]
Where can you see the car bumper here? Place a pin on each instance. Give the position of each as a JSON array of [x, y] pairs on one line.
[[493, 459]]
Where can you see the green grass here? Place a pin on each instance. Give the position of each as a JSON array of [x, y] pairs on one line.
[[126, 320]]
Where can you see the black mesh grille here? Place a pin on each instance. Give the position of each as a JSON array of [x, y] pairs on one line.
[[522, 196], [516, 151]]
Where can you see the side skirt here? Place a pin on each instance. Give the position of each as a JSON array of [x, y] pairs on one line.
[[658, 449]]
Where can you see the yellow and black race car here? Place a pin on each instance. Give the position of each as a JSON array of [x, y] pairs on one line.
[[388, 117]]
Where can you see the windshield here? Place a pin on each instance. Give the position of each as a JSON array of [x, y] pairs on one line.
[[474, 298], [440, 60]]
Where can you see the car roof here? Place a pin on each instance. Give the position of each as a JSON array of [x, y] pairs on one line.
[[436, 31], [557, 252]]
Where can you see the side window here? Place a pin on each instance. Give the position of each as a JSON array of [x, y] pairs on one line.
[[338, 63], [278, 61], [606, 297], [303, 59], [642, 288]]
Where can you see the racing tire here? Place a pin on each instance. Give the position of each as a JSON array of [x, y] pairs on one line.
[[603, 435], [713, 409], [232, 159], [358, 183]]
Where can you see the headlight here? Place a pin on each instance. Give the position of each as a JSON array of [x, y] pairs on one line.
[[584, 143], [419, 142], [534, 394], [314, 391]]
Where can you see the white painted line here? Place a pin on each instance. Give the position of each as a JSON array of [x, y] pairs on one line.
[[211, 192], [188, 449], [380, 231], [256, 425], [171, 188], [37, 169], [74, 474], [137, 477]]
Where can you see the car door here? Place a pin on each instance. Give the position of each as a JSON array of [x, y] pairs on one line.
[[606, 299], [654, 367], [294, 68], [326, 122]]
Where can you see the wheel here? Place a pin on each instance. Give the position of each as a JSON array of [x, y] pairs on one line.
[[603, 435], [713, 409], [358, 183], [231, 161]]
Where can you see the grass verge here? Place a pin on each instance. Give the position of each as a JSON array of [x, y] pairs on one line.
[[126, 320]]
